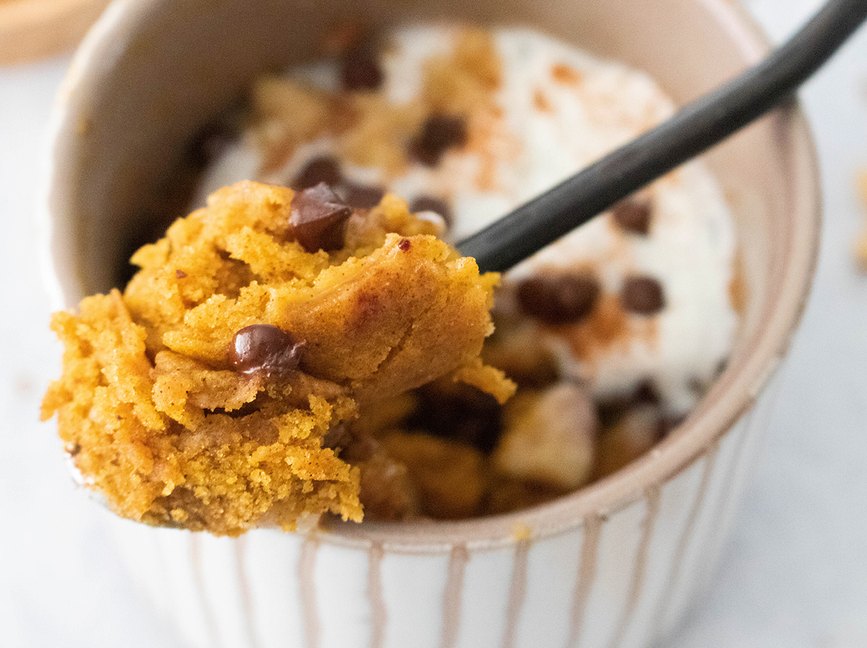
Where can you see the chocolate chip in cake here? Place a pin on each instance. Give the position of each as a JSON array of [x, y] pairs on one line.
[[558, 299], [438, 134], [643, 295], [429, 203], [318, 218], [180, 274], [360, 69], [404, 245], [361, 196], [633, 216], [324, 168], [264, 348]]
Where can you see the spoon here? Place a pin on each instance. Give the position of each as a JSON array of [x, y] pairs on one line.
[[694, 129]]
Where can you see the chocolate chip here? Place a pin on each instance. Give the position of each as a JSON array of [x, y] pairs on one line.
[[363, 197], [646, 393], [611, 410], [360, 69], [642, 295], [632, 216], [320, 169], [558, 299], [319, 218], [180, 274], [438, 134], [429, 203], [404, 245], [459, 412], [264, 348]]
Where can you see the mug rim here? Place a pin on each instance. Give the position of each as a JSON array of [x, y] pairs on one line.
[[731, 396]]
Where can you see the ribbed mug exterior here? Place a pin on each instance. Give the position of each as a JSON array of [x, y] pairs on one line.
[[618, 578]]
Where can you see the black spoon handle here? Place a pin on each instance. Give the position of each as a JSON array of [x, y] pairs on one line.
[[695, 128]]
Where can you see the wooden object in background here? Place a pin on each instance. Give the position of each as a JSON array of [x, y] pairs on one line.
[[33, 29]]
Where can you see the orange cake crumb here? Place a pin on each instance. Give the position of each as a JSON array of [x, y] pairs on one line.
[[211, 393]]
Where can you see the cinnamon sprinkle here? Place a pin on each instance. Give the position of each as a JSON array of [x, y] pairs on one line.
[[737, 288], [565, 74], [606, 326], [541, 102]]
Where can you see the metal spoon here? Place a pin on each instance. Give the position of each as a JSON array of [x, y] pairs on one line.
[[697, 127]]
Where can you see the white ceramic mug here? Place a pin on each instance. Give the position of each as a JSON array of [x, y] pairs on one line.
[[614, 564]]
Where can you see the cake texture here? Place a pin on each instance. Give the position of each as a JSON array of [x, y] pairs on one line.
[[214, 392]]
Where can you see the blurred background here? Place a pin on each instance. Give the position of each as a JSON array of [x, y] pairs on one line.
[[795, 570]]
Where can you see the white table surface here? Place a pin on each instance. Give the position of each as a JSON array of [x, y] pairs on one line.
[[795, 570]]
